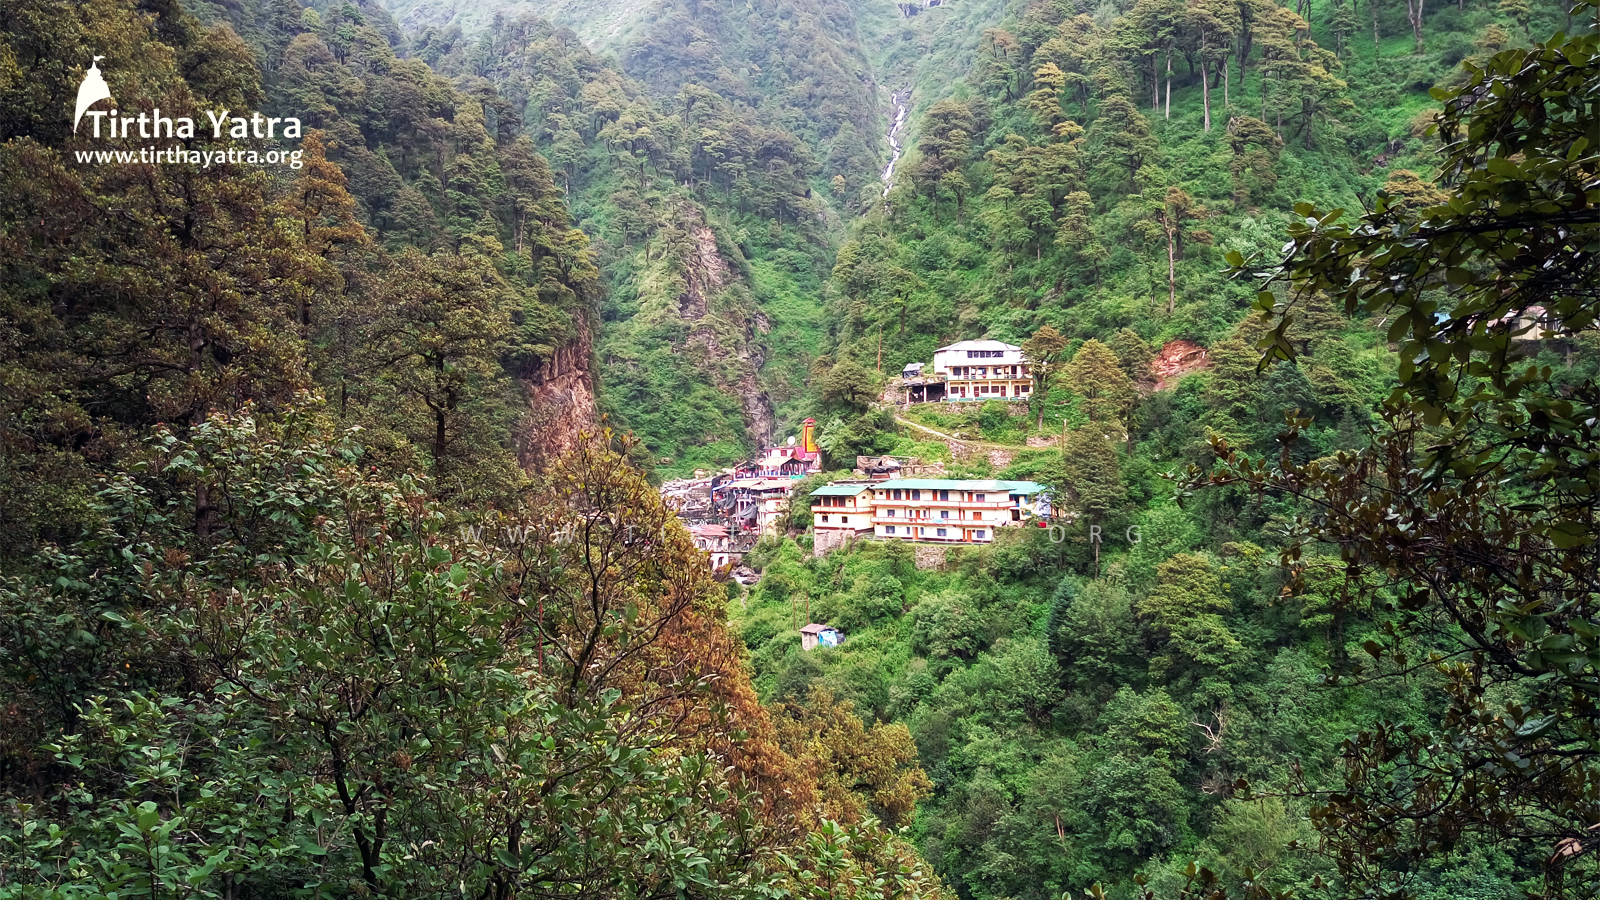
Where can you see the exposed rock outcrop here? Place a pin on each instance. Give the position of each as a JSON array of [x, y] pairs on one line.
[[561, 399], [707, 274], [1177, 359]]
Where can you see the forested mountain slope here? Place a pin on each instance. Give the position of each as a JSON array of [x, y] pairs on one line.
[[600, 25], [310, 584], [800, 64], [1073, 164], [294, 486], [1087, 711], [711, 229]]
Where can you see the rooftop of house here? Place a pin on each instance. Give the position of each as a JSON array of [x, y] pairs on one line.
[[814, 628], [841, 490], [760, 484], [953, 484], [979, 345]]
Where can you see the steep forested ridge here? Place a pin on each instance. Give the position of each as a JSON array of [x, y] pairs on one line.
[[709, 224], [299, 466], [319, 576], [1180, 691]]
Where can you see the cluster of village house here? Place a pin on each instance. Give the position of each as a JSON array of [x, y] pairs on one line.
[[887, 499], [742, 506]]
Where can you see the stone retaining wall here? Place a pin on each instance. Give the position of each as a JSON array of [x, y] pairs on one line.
[[930, 556], [825, 542]]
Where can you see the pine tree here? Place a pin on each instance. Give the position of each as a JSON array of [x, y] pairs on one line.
[[1043, 353], [1168, 211], [1123, 135], [1133, 355], [1046, 101], [1518, 11], [1342, 23], [1210, 27], [1231, 389], [1094, 471], [1076, 232], [1095, 376], [1255, 158], [324, 217]]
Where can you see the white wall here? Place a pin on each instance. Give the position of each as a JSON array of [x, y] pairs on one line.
[[943, 360]]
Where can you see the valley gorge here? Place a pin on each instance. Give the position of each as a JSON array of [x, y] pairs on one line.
[[804, 450]]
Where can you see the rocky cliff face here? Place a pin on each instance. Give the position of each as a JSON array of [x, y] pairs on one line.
[[561, 399], [735, 368]]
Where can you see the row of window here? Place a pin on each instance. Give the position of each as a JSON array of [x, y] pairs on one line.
[[983, 371], [985, 354], [938, 532], [998, 390], [913, 514], [916, 494]]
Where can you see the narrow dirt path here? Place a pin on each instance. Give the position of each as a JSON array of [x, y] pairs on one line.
[[981, 445]]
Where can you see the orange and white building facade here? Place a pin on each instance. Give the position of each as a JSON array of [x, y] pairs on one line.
[[936, 510], [842, 508], [983, 370]]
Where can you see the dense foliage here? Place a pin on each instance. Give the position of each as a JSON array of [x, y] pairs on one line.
[[258, 643], [1367, 674], [310, 587], [711, 234]]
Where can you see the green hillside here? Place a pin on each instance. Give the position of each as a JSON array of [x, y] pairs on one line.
[[298, 459], [1085, 720], [333, 561], [1085, 713]]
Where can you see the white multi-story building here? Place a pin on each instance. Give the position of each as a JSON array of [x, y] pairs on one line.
[[983, 370], [953, 510], [845, 508]]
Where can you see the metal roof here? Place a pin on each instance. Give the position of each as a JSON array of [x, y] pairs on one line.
[[979, 345], [814, 628], [841, 490], [950, 484], [759, 484]]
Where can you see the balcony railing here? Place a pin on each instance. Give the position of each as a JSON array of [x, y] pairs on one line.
[[953, 504], [955, 537], [940, 523]]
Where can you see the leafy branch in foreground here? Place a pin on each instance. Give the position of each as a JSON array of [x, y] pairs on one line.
[[334, 693], [1470, 521]]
